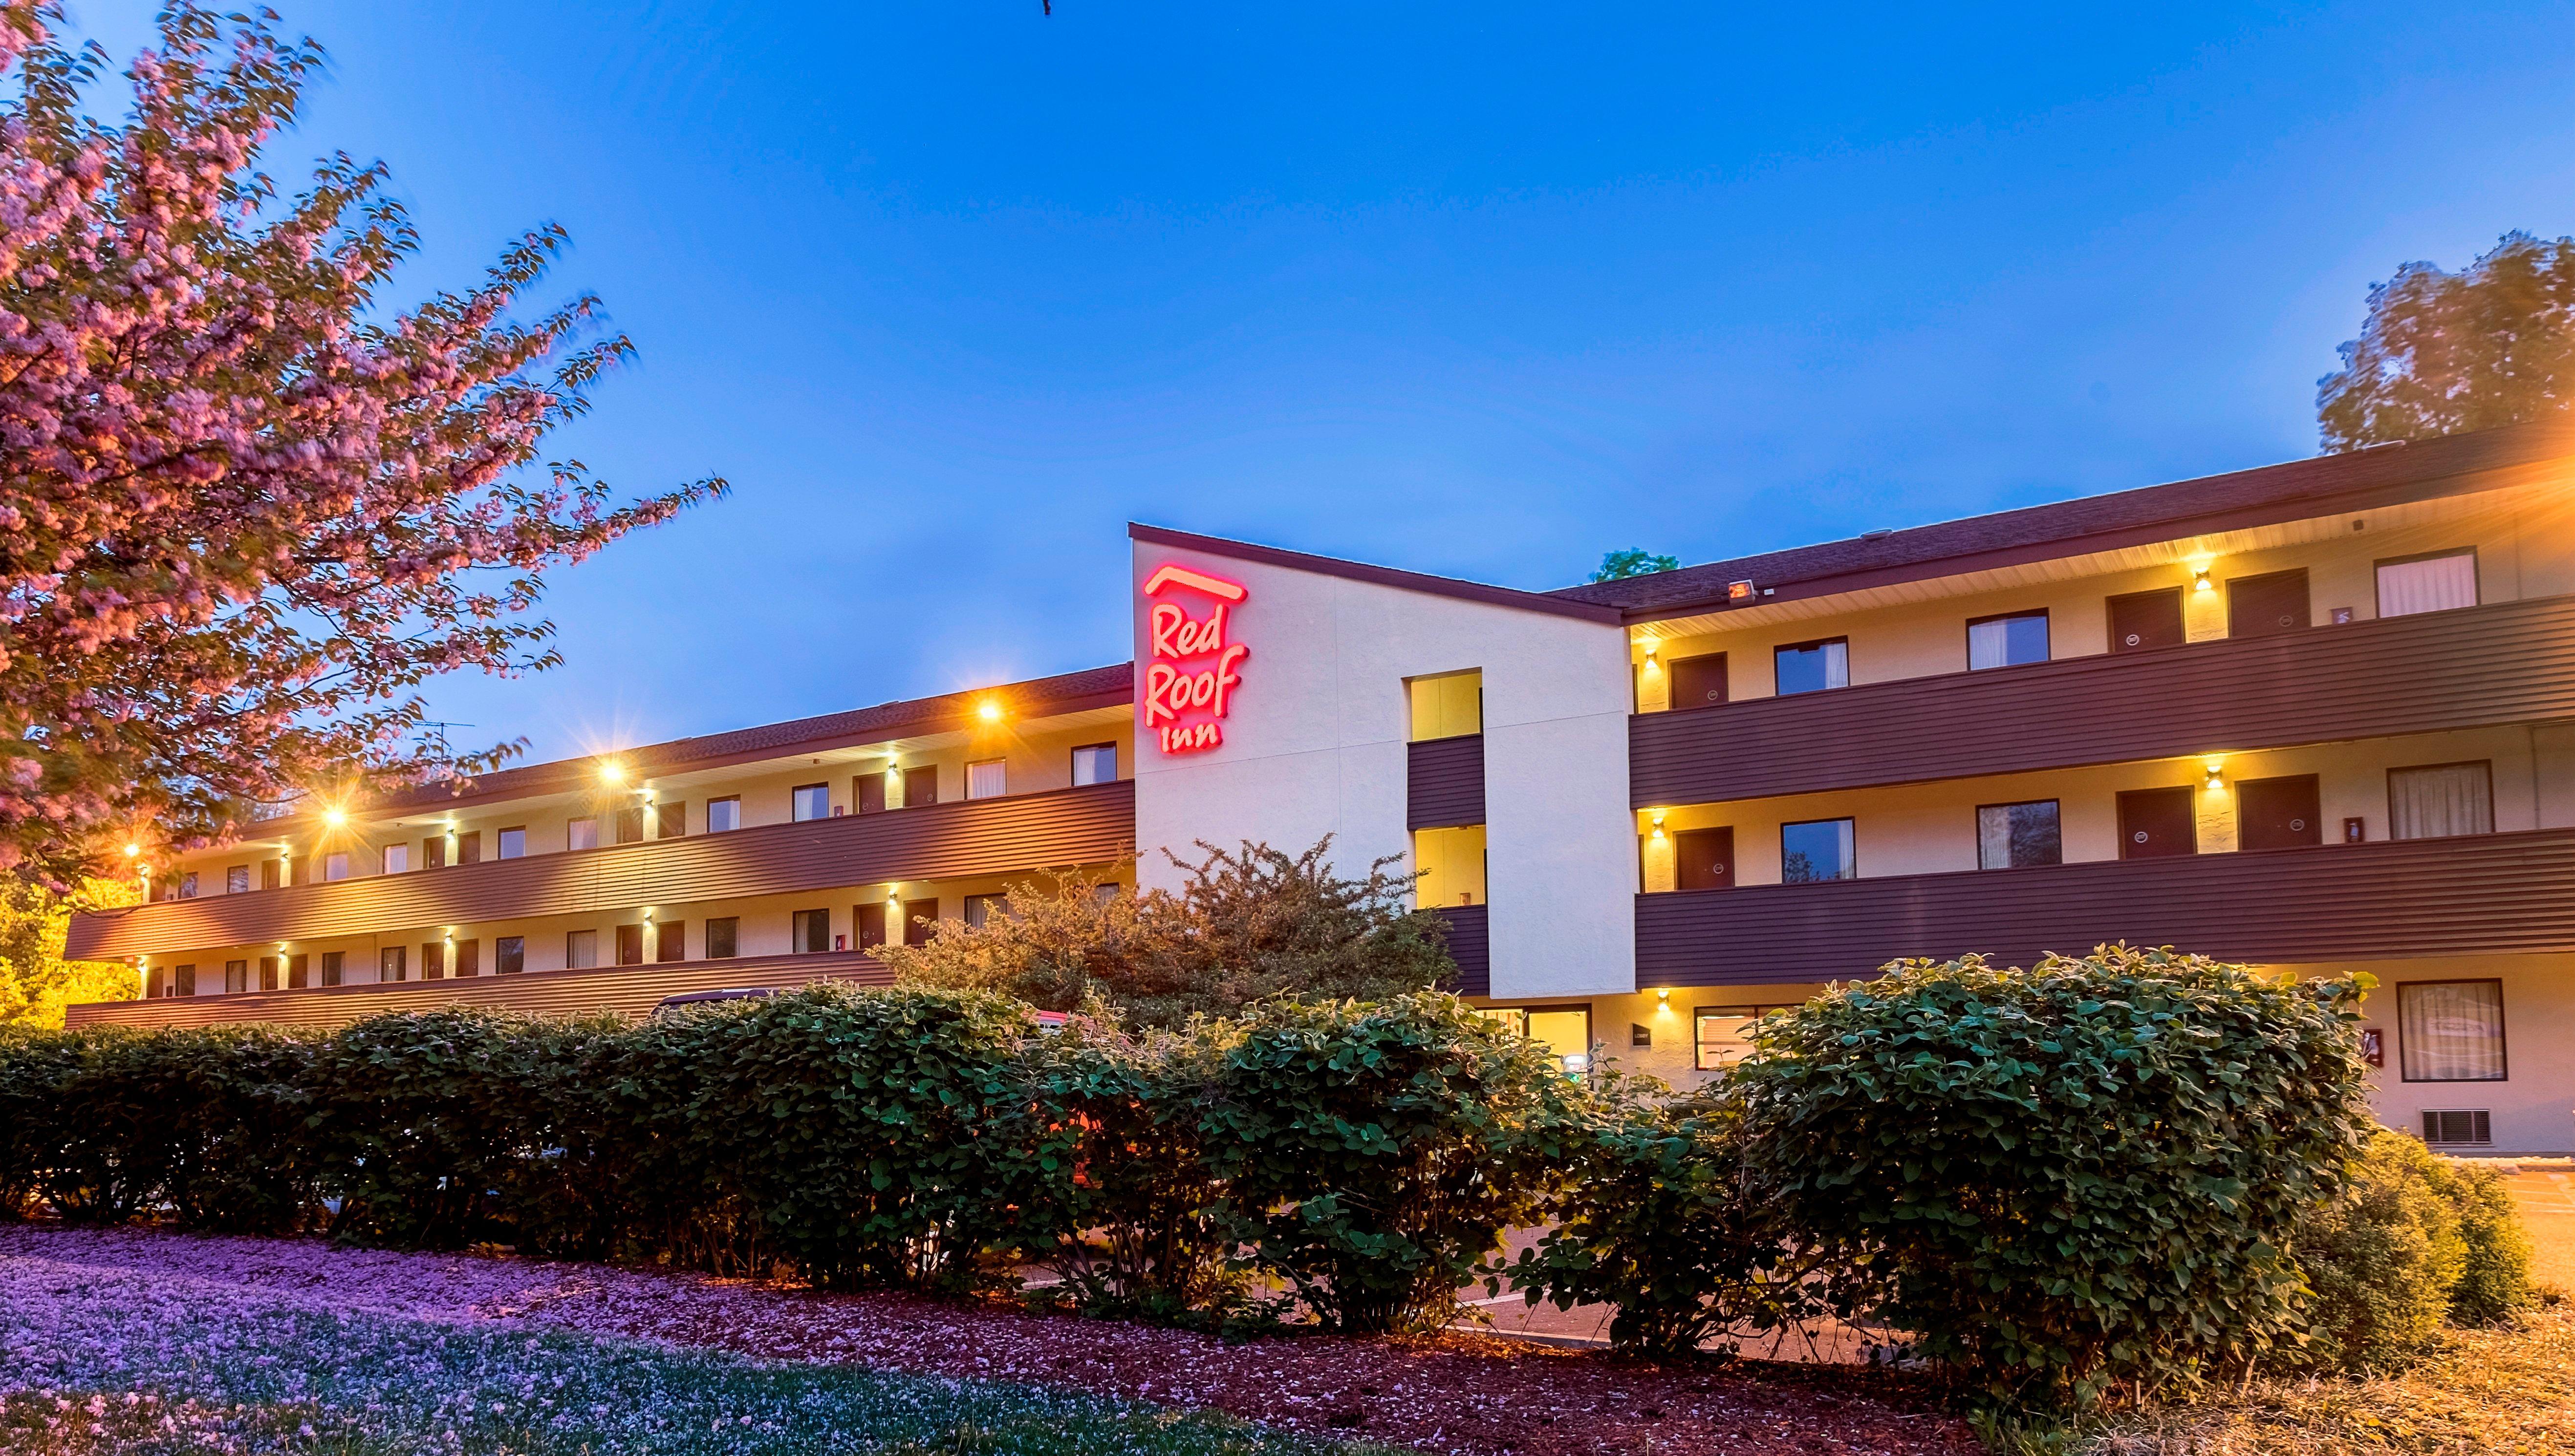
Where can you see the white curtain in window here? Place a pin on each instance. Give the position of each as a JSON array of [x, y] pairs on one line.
[[2434, 585], [2443, 799], [1837, 665], [987, 779], [2451, 1032]]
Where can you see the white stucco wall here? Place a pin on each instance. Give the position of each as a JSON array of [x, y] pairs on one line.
[[1315, 744]]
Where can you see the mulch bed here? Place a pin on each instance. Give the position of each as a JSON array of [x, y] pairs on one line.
[[1468, 1394]]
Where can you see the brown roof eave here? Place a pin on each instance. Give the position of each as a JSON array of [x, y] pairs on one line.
[[1423, 583]]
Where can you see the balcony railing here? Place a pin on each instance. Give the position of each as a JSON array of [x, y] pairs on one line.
[[2410, 897], [2513, 662], [1471, 944], [1069, 827], [627, 990]]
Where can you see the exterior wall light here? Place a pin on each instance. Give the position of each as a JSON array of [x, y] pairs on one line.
[[1664, 995], [2216, 773], [1652, 647], [2199, 581], [334, 818], [132, 850], [1658, 825], [989, 710], [612, 772]]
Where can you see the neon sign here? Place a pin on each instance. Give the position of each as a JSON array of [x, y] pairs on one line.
[[1189, 670]]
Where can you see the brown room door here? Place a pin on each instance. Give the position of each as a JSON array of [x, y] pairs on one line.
[[921, 786], [2157, 821], [1698, 682], [872, 925], [870, 794], [1704, 858], [919, 920], [2268, 605], [2279, 814], [2144, 619]]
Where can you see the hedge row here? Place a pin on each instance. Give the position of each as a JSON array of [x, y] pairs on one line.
[[2093, 1173]]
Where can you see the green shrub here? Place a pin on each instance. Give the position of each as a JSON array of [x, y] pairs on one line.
[[851, 1124], [1114, 1193], [2065, 1177], [1375, 1152], [2381, 1260], [1659, 1220], [2494, 1279]]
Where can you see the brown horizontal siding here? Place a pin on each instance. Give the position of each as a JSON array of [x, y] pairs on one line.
[[1471, 944], [2513, 662], [2481, 893], [1069, 827], [630, 992], [1443, 784]]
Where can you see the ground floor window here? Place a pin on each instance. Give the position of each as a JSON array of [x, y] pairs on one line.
[[1725, 1034], [1816, 849], [2450, 1031], [509, 954], [581, 949], [1564, 1031], [2017, 836], [812, 932]]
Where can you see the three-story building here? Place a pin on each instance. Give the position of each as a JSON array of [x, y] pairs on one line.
[[2317, 716]]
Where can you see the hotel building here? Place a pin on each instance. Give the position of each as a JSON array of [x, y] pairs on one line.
[[2318, 717]]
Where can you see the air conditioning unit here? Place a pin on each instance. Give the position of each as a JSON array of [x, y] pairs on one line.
[[2473, 1128]]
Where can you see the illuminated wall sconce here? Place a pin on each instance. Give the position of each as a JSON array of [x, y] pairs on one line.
[[2216, 773], [2199, 581], [1653, 648], [647, 916], [1658, 825], [1664, 995]]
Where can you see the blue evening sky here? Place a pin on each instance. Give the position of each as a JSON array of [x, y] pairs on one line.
[[953, 290]]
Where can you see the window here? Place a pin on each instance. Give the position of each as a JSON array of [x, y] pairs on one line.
[[509, 954], [2017, 836], [626, 827], [332, 964], [581, 949], [469, 845], [671, 819], [724, 815], [1449, 705], [629, 944], [1564, 1030], [2470, 1126], [1725, 1034], [1451, 866], [183, 980], [390, 964], [2435, 583], [812, 801], [2436, 800], [810, 932], [1095, 764], [1698, 682], [188, 885], [2450, 1031], [920, 920], [723, 937], [512, 844], [237, 879], [335, 865], [2008, 641], [871, 920], [920, 786], [867, 793], [1812, 667], [670, 939], [987, 779], [582, 834], [1816, 849], [396, 859], [982, 907], [236, 977], [469, 960]]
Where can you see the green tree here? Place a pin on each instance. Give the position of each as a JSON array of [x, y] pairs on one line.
[[1617, 566], [1246, 924], [2442, 353], [36, 982]]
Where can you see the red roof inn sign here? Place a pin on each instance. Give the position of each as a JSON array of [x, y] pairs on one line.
[[1190, 672]]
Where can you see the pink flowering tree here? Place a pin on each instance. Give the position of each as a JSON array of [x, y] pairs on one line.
[[248, 501]]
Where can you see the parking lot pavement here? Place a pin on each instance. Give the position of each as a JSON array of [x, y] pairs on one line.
[[2544, 1190]]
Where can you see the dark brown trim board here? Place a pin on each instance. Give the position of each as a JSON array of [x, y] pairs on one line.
[[1449, 587]]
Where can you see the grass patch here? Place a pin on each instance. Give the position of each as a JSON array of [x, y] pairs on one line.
[[2499, 1391], [143, 1378]]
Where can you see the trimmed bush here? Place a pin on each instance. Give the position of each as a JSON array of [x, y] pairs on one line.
[[2416, 1241], [2062, 1178], [1374, 1153], [1659, 1220]]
